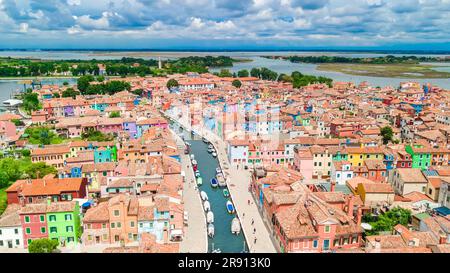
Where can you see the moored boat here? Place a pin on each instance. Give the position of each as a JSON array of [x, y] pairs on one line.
[[214, 183], [199, 181], [230, 207], [206, 206], [210, 217], [221, 180], [204, 196], [226, 193], [197, 173], [214, 154], [235, 226], [211, 230]]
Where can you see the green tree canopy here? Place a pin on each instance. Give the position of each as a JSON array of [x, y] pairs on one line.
[[43, 245], [387, 134], [237, 83], [115, 114], [172, 83], [243, 73]]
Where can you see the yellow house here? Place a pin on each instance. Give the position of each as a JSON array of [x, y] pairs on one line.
[[357, 155], [77, 146]]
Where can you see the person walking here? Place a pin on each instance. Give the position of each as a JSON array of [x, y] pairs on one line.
[[254, 242], [254, 230], [253, 221]]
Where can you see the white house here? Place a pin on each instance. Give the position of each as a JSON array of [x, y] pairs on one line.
[[238, 151], [11, 235], [341, 172]]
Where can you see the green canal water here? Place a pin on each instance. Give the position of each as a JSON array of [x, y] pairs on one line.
[[207, 164]]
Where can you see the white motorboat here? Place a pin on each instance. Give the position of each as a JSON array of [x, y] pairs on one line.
[[206, 205], [197, 173], [221, 180], [210, 217], [235, 226], [218, 170], [210, 146], [204, 196], [211, 230], [214, 154], [192, 156]]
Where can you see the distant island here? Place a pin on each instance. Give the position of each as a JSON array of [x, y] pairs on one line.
[[384, 66]]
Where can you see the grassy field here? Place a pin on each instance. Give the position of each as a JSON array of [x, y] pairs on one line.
[[387, 70]]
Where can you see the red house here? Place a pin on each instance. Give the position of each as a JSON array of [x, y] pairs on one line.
[[38, 190], [34, 223]]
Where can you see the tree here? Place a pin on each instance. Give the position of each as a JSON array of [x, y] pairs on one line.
[[255, 72], [30, 102], [38, 170], [225, 73], [84, 82], [387, 134], [243, 73], [237, 83], [100, 78], [43, 245], [388, 220], [172, 83], [138, 92], [56, 95], [70, 92], [115, 114]]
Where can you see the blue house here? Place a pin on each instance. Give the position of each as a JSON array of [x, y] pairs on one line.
[[388, 160]]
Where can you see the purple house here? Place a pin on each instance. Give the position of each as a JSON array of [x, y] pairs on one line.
[[68, 111], [130, 127]]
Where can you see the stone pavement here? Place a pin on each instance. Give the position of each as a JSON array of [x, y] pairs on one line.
[[195, 237]]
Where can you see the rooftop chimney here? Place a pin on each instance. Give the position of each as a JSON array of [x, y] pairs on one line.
[[332, 186]]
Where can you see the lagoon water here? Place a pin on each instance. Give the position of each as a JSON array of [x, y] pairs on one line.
[[280, 66]]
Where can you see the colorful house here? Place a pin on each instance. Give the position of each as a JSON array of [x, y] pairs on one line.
[[34, 222], [63, 220], [421, 156], [105, 154]]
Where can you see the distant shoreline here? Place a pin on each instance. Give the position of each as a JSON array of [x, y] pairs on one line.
[[375, 51]]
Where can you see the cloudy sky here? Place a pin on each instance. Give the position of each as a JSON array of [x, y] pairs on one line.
[[232, 24]]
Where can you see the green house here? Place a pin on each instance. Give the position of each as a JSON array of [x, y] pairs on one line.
[[421, 156], [340, 156], [63, 221]]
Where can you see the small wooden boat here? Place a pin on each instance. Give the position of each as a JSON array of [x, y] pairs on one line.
[[235, 226], [210, 217], [199, 181], [230, 207], [204, 196], [226, 193], [214, 183], [206, 206], [211, 230]]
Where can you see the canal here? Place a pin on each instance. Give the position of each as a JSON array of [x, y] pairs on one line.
[[207, 164]]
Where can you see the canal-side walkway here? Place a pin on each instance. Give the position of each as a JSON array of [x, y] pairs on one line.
[[195, 238], [238, 181]]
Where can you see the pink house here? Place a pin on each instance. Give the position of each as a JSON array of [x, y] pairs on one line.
[[303, 162]]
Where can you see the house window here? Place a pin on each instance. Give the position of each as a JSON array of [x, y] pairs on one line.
[[27, 219], [69, 229], [103, 225], [53, 230], [132, 224], [16, 231], [68, 217], [113, 225], [315, 243], [52, 218], [116, 213], [42, 218], [28, 230], [327, 229], [119, 224], [43, 230]]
